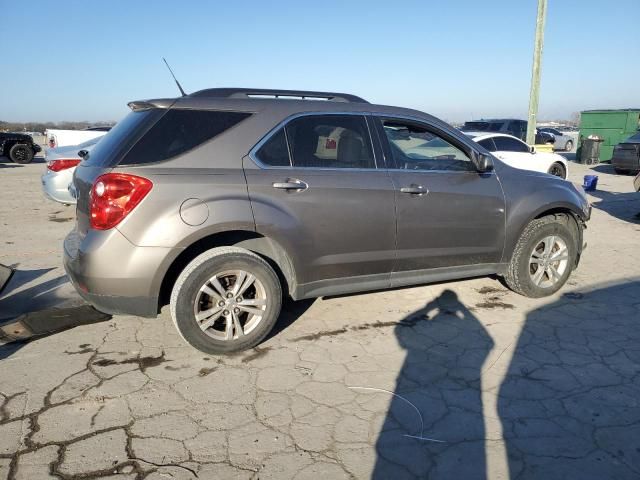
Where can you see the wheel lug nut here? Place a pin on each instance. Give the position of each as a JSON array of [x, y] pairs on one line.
[[236, 310], [239, 299], [221, 303], [229, 295], [225, 313]]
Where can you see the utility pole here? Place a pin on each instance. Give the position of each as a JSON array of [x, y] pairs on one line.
[[534, 94]]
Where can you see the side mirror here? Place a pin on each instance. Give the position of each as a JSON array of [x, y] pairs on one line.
[[483, 163], [82, 153]]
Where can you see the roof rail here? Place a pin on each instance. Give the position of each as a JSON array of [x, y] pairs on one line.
[[269, 93]]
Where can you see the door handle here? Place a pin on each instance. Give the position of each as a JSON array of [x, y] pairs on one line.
[[415, 190], [297, 185]]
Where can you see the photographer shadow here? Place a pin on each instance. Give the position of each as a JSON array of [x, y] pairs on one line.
[[446, 348]]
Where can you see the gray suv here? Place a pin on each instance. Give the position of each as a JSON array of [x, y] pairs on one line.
[[221, 202]]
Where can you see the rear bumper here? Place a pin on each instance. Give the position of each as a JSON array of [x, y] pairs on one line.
[[626, 162], [55, 186], [114, 275]]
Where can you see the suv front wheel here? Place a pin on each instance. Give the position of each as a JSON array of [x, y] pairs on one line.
[[226, 300], [544, 256]]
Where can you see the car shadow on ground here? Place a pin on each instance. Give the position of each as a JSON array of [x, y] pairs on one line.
[[568, 404], [39, 310], [624, 206], [5, 162], [571, 156]]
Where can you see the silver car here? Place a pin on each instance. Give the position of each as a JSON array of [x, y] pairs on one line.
[[564, 141], [61, 163]]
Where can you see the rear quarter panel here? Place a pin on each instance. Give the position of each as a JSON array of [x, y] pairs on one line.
[[221, 196]]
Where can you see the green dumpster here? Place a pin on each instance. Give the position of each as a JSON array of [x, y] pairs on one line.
[[613, 126]]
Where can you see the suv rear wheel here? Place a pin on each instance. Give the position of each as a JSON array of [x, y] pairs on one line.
[[226, 300], [544, 256], [21, 153]]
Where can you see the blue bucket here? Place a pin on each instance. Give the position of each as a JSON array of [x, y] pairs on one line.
[[590, 183]]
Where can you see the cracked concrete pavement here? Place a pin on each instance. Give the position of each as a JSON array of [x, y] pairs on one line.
[[348, 387]]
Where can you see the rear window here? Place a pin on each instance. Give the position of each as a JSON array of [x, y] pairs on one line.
[[179, 131], [121, 137]]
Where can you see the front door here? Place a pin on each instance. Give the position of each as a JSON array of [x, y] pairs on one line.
[[448, 214], [316, 189]]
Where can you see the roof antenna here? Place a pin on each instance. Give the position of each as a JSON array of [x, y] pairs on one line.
[[174, 78]]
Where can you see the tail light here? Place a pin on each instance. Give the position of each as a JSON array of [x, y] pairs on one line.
[[62, 164], [114, 196]]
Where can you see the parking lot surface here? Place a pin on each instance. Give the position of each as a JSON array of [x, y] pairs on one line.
[[455, 380]]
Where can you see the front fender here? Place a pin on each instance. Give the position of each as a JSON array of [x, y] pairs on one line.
[[530, 196]]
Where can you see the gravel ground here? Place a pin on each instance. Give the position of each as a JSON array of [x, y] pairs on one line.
[[510, 387]]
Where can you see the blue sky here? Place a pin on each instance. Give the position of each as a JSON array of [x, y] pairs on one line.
[[84, 60]]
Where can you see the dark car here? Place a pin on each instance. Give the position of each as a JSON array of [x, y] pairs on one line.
[[626, 155], [19, 147], [510, 126], [222, 201]]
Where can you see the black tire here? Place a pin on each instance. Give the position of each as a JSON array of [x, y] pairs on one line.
[[519, 276], [558, 170], [197, 273], [568, 146], [21, 153]]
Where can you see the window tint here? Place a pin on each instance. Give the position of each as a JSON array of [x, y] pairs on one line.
[[120, 138], [274, 152], [330, 141], [416, 148], [508, 144], [488, 144], [179, 131], [482, 126], [517, 128]]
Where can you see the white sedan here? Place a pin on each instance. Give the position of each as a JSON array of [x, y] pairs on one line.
[[516, 153]]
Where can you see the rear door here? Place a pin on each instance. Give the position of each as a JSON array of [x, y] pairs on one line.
[[319, 190], [448, 214]]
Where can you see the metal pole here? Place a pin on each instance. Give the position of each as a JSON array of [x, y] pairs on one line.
[[534, 94]]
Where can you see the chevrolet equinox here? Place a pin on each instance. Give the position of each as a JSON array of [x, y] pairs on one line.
[[221, 202]]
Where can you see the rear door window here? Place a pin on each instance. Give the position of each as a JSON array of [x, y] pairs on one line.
[[330, 141], [178, 131]]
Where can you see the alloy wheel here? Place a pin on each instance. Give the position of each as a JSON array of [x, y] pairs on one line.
[[230, 305], [549, 261]]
